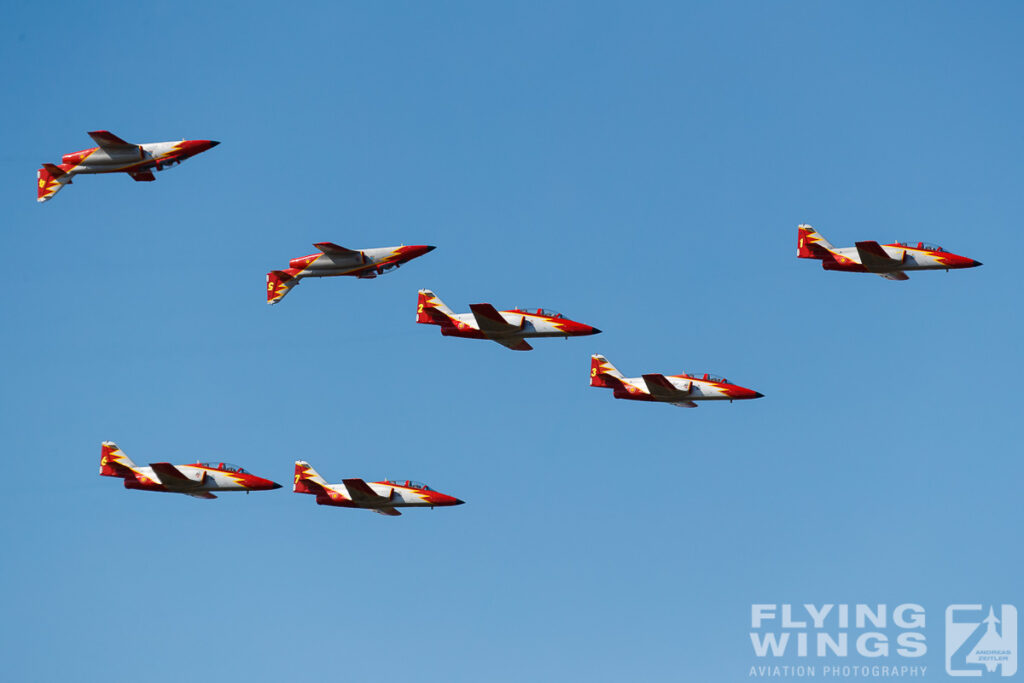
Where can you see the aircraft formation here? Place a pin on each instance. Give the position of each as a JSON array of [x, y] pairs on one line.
[[510, 328]]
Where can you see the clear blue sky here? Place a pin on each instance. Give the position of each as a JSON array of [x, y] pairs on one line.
[[639, 167]]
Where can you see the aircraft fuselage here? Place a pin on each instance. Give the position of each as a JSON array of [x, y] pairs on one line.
[[522, 324], [909, 258], [152, 156]]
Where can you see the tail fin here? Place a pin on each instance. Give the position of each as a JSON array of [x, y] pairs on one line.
[[431, 310], [810, 244], [279, 283], [113, 462], [307, 480], [51, 179], [603, 373]]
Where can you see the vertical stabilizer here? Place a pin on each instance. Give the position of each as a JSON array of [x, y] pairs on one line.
[[307, 480], [430, 309], [810, 244], [279, 283], [51, 179], [603, 373], [113, 461]]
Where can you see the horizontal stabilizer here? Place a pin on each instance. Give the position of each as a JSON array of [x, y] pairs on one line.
[[390, 512], [661, 388], [172, 478], [611, 381], [360, 492], [875, 259], [55, 171], [107, 140], [332, 248]]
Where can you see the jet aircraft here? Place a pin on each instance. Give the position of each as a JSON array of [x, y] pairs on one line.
[[679, 390], [333, 260], [114, 155], [196, 480], [380, 496], [888, 260], [508, 328]]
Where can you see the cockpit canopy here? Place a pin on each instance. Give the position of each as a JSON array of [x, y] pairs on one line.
[[408, 483], [921, 245], [223, 466], [707, 376], [540, 311]]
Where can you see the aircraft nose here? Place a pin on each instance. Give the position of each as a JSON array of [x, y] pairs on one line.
[[757, 394], [274, 485], [212, 143], [974, 263], [459, 501], [594, 330]]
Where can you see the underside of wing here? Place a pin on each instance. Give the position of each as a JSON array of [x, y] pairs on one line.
[[332, 248], [142, 176], [201, 494], [875, 259], [895, 275], [514, 343], [361, 493], [109, 141], [390, 512], [172, 478], [662, 389]]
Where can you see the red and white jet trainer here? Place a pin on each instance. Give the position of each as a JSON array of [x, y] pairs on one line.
[[679, 390], [888, 260], [196, 480], [114, 155], [333, 261], [508, 328], [380, 496]]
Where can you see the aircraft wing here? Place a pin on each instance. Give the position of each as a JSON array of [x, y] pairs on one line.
[[874, 258], [514, 343], [490, 321], [895, 275], [390, 512], [496, 328], [107, 140], [201, 494], [332, 248], [172, 478], [661, 388], [360, 492], [142, 176]]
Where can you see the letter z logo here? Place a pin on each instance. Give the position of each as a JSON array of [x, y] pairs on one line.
[[980, 640]]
